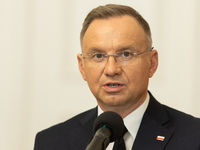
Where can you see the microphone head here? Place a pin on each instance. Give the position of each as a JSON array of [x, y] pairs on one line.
[[111, 120]]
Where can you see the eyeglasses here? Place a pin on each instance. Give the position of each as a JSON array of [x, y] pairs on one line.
[[122, 58]]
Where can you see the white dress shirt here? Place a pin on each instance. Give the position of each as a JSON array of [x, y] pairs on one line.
[[132, 123]]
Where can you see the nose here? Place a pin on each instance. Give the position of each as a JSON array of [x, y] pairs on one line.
[[112, 68]]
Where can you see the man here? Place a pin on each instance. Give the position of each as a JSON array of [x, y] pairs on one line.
[[117, 61]]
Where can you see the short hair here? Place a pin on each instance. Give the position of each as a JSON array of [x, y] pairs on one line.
[[114, 10]]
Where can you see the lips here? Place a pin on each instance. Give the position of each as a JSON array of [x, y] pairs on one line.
[[113, 87]]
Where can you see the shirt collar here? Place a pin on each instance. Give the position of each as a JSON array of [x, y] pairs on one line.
[[133, 120]]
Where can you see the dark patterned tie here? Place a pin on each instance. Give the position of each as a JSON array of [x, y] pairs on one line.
[[119, 144]]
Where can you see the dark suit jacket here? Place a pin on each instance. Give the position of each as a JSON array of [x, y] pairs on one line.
[[180, 131]]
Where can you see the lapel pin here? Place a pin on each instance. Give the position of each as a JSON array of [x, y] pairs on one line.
[[160, 138]]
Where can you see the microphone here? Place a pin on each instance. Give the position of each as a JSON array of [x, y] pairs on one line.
[[108, 127]]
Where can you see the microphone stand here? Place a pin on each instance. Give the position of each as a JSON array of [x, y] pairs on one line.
[[100, 140]]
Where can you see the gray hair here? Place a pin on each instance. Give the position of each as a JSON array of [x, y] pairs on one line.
[[113, 10]]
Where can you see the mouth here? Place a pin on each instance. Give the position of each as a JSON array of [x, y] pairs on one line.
[[113, 85]]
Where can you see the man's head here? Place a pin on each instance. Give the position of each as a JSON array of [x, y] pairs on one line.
[[116, 59]]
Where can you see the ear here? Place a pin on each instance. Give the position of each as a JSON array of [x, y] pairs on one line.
[[81, 66], [153, 62]]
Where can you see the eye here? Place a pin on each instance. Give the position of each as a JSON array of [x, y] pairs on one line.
[[126, 54], [98, 56]]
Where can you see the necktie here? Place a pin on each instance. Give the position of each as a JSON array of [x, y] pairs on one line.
[[119, 143]]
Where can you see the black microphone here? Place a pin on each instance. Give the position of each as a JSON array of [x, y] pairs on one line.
[[108, 127]]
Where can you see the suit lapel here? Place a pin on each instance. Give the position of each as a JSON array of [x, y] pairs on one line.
[[153, 133], [79, 137]]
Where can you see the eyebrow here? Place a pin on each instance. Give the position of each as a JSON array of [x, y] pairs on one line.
[[127, 47], [94, 49]]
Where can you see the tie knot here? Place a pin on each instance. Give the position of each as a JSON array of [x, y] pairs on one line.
[[119, 143]]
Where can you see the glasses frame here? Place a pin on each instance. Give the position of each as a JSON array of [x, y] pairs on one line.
[[105, 55]]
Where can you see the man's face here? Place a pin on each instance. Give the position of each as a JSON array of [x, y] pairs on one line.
[[114, 85]]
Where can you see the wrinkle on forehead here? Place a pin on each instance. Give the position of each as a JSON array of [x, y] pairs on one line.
[[102, 34]]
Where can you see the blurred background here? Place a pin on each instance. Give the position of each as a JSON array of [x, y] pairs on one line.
[[40, 84]]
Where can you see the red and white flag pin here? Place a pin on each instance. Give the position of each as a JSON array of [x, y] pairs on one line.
[[160, 138]]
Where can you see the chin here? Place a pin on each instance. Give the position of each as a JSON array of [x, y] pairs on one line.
[[114, 103]]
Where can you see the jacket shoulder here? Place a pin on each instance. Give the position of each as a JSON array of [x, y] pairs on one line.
[[186, 127], [55, 134], [70, 124], [181, 117]]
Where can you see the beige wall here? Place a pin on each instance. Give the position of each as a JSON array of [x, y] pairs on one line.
[[40, 84]]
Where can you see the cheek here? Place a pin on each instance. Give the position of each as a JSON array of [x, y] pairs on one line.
[[92, 76], [93, 80], [139, 82], [138, 76]]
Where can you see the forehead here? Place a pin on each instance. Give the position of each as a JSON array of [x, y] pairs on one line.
[[109, 34]]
